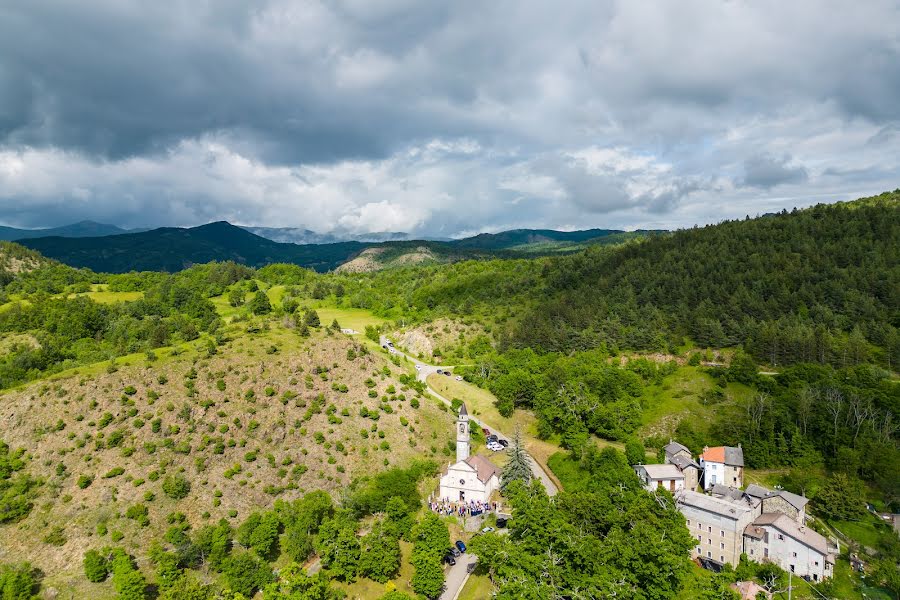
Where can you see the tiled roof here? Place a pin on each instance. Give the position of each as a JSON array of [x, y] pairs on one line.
[[732, 510], [662, 471], [788, 526], [484, 468], [674, 447], [683, 463], [724, 454]]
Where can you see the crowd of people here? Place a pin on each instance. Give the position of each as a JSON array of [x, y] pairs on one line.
[[462, 509]]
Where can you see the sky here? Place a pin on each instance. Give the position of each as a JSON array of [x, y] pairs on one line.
[[443, 118]]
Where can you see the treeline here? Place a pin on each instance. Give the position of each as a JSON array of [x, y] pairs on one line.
[[814, 285], [603, 538], [242, 558], [71, 331], [575, 395], [809, 416]]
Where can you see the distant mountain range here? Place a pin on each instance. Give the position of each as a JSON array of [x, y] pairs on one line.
[[75, 230], [174, 248]]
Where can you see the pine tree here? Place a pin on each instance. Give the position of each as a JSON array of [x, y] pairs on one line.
[[518, 468]]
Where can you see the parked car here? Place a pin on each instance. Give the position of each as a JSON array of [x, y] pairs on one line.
[[391, 344], [448, 558], [459, 377], [492, 438], [503, 443], [501, 522], [460, 545], [485, 431], [487, 530], [454, 551], [440, 372], [447, 373], [494, 447], [418, 367]]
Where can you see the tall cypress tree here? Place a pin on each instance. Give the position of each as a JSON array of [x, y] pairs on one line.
[[519, 467]]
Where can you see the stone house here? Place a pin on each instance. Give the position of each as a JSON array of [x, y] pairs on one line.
[[722, 464], [718, 525], [668, 477], [777, 538], [779, 501], [678, 455]]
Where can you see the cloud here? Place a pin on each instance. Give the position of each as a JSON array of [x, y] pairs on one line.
[[440, 119], [766, 171]]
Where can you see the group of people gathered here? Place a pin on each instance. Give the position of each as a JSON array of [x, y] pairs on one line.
[[462, 508]]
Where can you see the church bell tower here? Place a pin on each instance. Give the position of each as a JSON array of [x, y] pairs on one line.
[[462, 434]]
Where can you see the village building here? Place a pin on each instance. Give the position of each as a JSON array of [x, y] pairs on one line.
[[724, 465], [718, 526], [667, 477], [470, 478], [779, 501], [679, 455], [777, 538]]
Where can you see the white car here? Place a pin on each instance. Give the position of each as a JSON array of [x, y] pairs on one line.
[[418, 367], [494, 446], [487, 530], [459, 377]]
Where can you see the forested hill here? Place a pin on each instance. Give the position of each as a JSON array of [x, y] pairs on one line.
[[821, 284], [173, 249]]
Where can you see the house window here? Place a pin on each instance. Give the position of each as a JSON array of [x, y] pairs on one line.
[[722, 558], [792, 568], [751, 551], [817, 563], [700, 538], [722, 533], [688, 522], [766, 552], [709, 540], [795, 554], [780, 537], [708, 554], [722, 545], [710, 529], [815, 577]]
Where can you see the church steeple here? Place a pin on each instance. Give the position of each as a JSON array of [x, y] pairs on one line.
[[462, 434]]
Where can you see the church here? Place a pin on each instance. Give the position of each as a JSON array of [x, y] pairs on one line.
[[470, 478]]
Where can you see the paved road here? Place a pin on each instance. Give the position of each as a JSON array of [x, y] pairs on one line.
[[422, 374], [455, 577]]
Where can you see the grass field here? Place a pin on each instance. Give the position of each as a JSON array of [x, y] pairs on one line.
[[478, 587], [105, 297]]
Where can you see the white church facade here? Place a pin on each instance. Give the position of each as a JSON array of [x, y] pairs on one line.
[[470, 478]]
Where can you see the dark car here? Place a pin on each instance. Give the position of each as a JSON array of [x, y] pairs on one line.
[[485, 431], [440, 372], [503, 443], [460, 545], [447, 373], [448, 558], [492, 438], [454, 551], [501, 522]]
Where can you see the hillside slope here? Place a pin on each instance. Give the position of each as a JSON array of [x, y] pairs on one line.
[[75, 230], [245, 427]]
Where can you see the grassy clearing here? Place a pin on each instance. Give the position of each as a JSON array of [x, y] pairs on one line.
[[478, 587], [104, 297], [868, 531], [353, 318], [676, 398]]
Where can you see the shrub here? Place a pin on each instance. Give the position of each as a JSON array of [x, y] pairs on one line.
[[56, 537], [85, 481], [176, 487], [114, 472], [96, 567], [139, 513]]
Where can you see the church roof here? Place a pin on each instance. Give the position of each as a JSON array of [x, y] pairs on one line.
[[484, 468], [462, 410]]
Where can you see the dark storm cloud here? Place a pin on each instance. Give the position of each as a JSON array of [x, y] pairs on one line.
[[441, 118]]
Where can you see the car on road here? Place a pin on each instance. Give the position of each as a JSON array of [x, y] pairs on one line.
[[485, 431], [454, 551], [503, 443], [448, 558], [459, 377], [447, 373], [494, 447], [440, 372], [492, 437], [418, 367], [391, 344], [487, 530], [460, 545]]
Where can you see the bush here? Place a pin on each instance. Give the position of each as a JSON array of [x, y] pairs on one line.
[[176, 487], [85, 481], [17, 582], [96, 567], [139, 513]]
